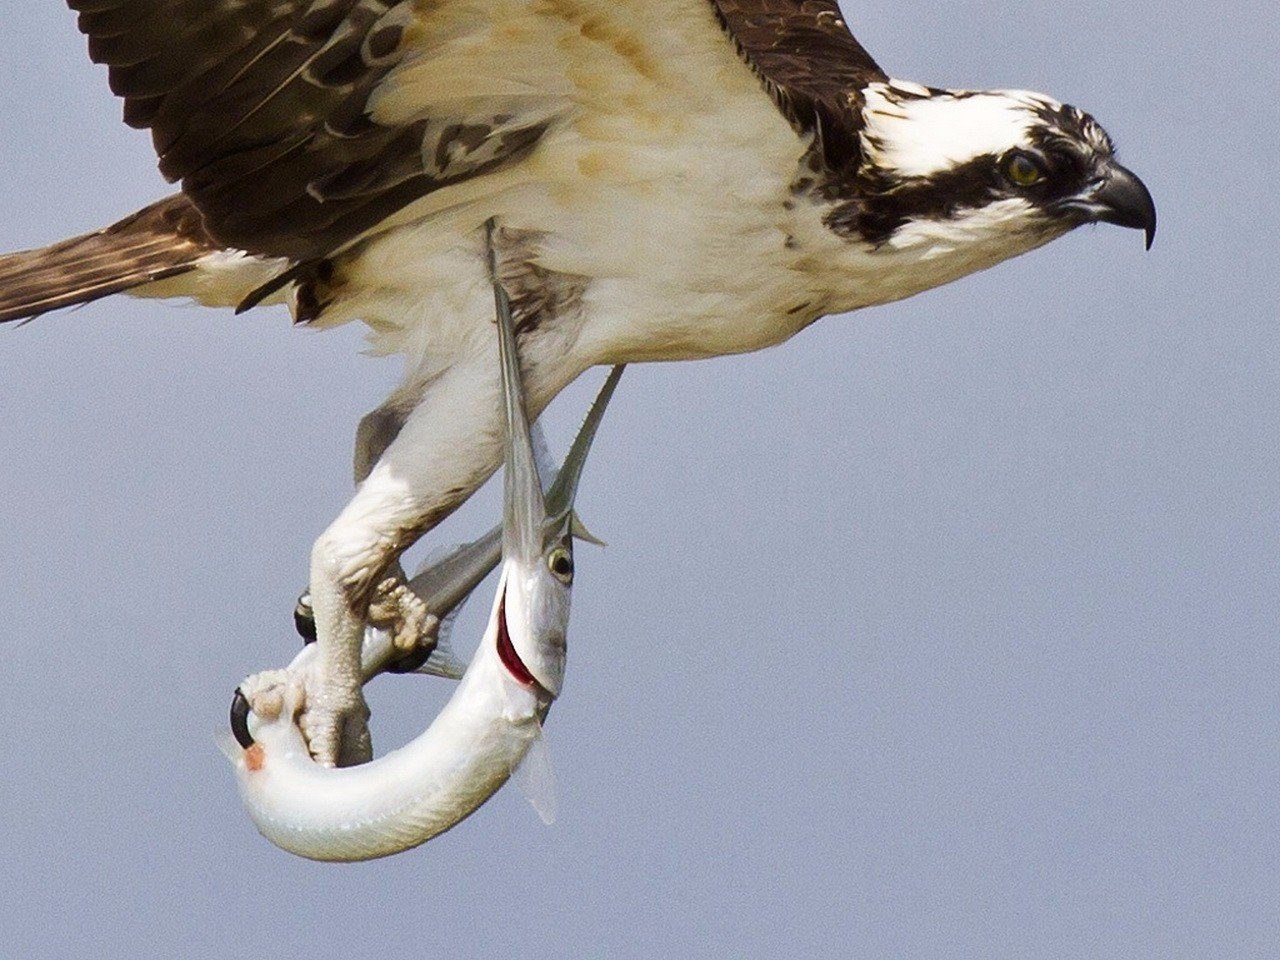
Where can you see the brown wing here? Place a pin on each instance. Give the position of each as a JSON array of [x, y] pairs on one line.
[[259, 108], [163, 240], [811, 65]]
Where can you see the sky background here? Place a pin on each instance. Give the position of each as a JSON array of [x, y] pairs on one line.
[[946, 630]]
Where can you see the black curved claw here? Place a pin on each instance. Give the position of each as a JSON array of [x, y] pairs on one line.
[[411, 661], [304, 619], [240, 720]]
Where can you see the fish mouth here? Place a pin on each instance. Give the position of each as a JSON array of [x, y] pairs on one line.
[[510, 659]]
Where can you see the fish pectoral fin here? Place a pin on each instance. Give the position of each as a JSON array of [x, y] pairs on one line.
[[536, 779], [580, 531]]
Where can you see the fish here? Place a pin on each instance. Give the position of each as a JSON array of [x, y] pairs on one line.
[[494, 718], [448, 578]]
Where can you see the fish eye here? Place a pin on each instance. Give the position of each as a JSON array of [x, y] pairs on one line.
[[560, 563], [1023, 170]]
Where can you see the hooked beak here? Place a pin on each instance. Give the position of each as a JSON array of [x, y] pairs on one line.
[[1118, 197]]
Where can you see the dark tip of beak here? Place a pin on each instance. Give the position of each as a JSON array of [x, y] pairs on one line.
[[240, 720], [1124, 200]]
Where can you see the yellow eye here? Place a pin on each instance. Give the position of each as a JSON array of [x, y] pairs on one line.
[[560, 563], [1023, 171]]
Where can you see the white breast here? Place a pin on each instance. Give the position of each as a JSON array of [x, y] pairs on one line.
[[672, 207]]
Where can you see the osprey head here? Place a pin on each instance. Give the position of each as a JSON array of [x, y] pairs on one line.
[[988, 175]]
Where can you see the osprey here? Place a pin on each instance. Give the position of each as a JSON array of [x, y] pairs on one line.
[[672, 179]]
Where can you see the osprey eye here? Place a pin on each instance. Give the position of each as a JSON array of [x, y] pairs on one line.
[[560, 563], [1023, 170]]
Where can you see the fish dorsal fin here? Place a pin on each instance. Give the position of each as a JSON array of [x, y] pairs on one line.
[[441, 553]]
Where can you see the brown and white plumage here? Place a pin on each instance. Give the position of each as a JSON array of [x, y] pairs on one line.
[[671, 178], [160, 241]]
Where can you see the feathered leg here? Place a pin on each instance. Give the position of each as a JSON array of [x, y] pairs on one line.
[[448, 446]]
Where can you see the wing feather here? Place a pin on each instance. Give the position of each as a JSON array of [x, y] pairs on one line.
[[261, 108], [297, 126], [812, 66]]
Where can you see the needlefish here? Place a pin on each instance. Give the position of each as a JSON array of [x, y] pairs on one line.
[[494, 717]]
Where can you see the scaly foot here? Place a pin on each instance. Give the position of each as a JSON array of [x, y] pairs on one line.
[[334, 721], [396, 609], [336, 724], [266, 693], [401, 612]]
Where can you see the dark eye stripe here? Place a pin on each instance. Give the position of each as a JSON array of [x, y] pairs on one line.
[[887, 203]]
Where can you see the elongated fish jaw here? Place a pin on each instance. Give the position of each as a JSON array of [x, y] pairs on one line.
[[532, 620], [524, 508], [564, 489], [534, 598], [533, 607]]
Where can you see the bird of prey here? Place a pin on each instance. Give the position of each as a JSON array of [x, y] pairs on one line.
[[672, 179]]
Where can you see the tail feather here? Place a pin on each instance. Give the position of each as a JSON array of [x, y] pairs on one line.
[[160, 241]]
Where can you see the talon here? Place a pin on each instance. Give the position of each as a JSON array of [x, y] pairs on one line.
[[338, 736], [423, 636], [240, 719], [304, 618], [411, 661]]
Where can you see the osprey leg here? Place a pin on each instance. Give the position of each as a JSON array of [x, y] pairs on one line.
[[449, 445], [377, 430], [395, 607]]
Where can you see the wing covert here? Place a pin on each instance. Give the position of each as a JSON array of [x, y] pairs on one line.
[[297, 126], [262, 109], [811, 65]]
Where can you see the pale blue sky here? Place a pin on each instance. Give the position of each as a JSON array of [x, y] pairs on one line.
[[944, 631]]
